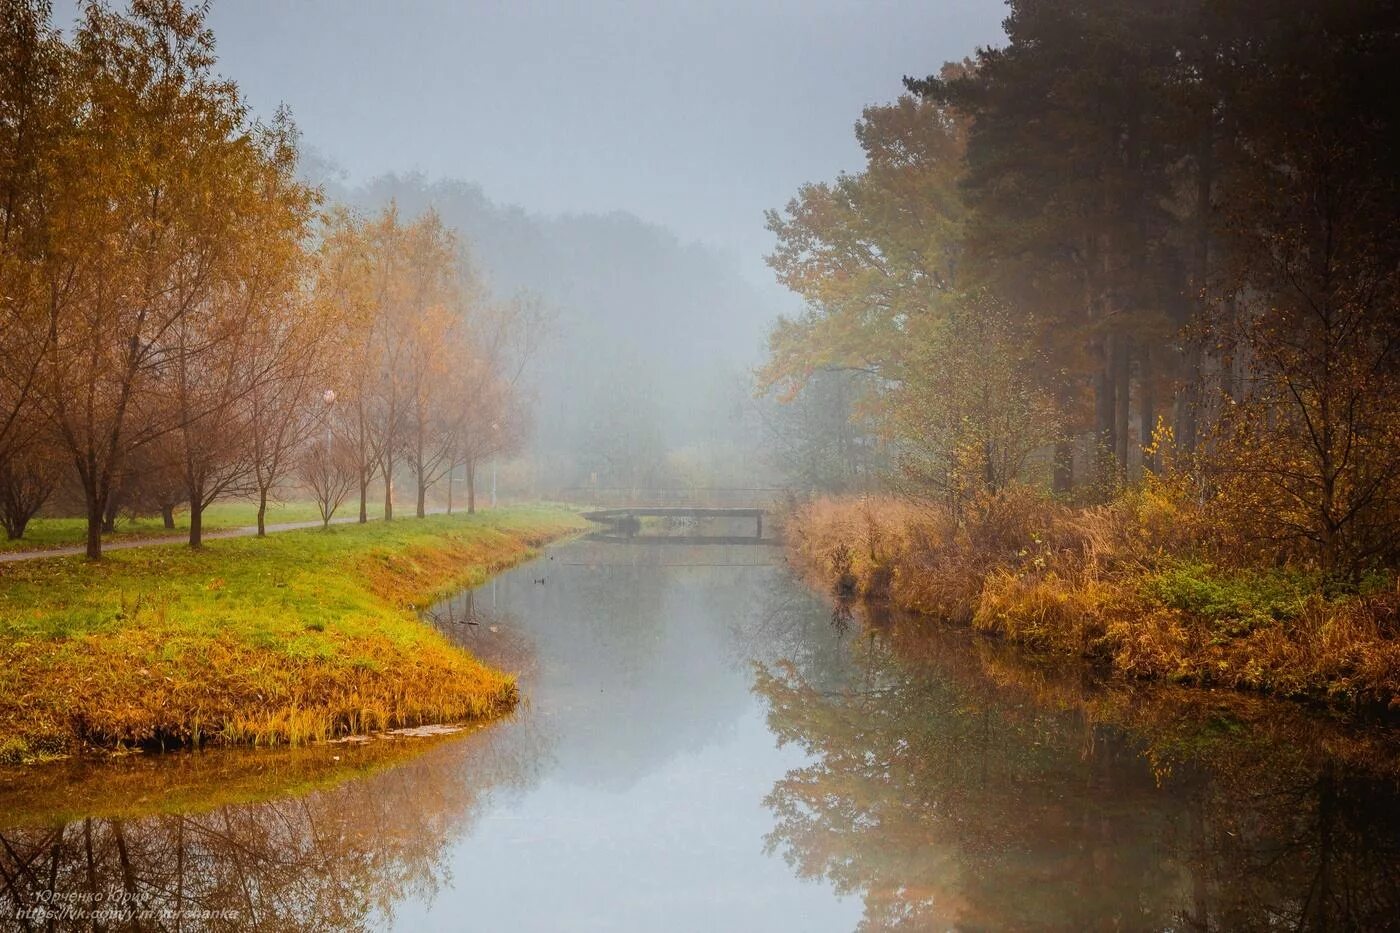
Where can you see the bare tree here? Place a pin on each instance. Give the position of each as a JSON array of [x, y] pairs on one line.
[[330, 470], [28, 476]]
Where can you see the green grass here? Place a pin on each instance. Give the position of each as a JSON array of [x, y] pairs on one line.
[[49, 533], [1236, 602], [296, 637]]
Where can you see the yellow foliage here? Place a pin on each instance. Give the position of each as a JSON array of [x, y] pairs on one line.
[[1089, 582]]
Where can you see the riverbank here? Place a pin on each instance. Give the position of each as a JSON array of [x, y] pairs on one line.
[[1132, 584], [298, 637]]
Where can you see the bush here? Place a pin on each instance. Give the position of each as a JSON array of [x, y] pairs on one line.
[[1235, 603]]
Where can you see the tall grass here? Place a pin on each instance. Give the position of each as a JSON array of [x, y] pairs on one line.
[[1141, 584]]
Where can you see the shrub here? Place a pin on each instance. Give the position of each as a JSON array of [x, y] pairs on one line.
[[1233, 603]]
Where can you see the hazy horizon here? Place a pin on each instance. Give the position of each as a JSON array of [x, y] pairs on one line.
[[694, 117]]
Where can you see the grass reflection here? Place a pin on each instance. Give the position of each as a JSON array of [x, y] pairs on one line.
[[321, 838]]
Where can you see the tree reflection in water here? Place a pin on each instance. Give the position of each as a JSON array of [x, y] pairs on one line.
[[331, 859], [956, 784]]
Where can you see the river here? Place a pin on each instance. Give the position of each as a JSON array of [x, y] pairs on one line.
[[707, 744]]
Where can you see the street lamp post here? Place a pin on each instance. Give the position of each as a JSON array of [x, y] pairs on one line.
[[329, 398], [495, 430]]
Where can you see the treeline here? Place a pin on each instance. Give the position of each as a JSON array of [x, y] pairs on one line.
[[182, 321], [1139, 238]]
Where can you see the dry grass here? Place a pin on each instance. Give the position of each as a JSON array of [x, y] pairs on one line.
[[291, 639], [1136, 583]]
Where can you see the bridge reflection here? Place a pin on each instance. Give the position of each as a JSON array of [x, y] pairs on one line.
[[679, 539]]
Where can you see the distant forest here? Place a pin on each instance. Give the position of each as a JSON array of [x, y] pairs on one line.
[[644, 379]]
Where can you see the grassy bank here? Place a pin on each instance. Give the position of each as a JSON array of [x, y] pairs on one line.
[[1134, 584], [297, 637]]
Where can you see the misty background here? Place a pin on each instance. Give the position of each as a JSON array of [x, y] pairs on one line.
[[615, 160]]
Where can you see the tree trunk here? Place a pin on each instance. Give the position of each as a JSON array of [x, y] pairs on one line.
[[364, 498], [450, 473], [422, 506], [109, 514], [1104, 441], [471, 487], [262, 513], [1147, 411], [388, 490], [1062, 480], [1122, 371], [1189, 399], [196, 522], [167, 516], [1188, 402], [95, 511]]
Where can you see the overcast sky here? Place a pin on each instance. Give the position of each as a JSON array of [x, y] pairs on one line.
[[694, 115]]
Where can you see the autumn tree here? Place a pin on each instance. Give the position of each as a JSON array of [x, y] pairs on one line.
[[329, 469], [435, 295], [502, 339], [31, 129], [286, 370], [232, 351], [1309, 443], [970, 411], [143, 200], [1068, 183], [880, 257], [176, 326], [871, 253], [343, 289], [153, 479]]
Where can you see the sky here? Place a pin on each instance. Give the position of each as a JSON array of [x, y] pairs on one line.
[[697, 116]]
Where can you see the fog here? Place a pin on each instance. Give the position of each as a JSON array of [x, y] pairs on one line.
[[695, 116], [614, 159], [827, 325]]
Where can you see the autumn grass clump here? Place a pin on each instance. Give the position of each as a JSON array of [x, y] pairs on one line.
[[290, 639], [1139, 584]]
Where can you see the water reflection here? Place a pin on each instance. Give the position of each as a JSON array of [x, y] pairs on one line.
[[705, 744], [957, 786], [336, 857], [621, 650]]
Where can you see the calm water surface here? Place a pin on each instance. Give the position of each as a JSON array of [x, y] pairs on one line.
[[705, 744]]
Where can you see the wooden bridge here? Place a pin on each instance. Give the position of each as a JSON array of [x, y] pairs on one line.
[[629, 517]]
